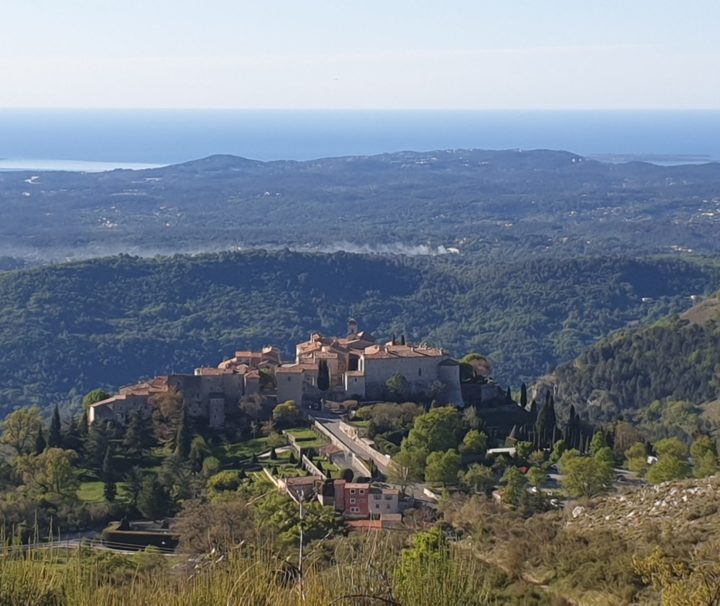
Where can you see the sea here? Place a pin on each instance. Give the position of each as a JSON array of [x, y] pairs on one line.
[[98, 140]]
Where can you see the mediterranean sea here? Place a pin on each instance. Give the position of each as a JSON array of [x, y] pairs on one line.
[[106, 139]]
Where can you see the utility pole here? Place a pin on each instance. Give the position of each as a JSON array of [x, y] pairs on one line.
[[300, 557], [302, 495]]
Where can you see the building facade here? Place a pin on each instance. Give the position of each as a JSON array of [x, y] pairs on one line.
[[332, 368]]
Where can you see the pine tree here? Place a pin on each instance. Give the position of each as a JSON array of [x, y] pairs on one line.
[[55, 435], [153, 500], [523, 395], [402, 339], [40, 443], [183, 437], [508, 394], [533, 410]]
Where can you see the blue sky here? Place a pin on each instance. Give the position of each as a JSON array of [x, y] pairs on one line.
[[509, 54]]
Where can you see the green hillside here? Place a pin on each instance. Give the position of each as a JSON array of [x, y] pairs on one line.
[[67, 329], [665, 376]]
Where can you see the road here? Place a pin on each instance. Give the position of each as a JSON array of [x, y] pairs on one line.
[[331, 422]]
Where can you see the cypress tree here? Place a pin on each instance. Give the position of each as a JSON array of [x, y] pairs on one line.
[[183, 437], [74, 436], [508, 395], [40, 443], [402, 339], [83, 428], [107, 467], [551, 420], [55, 436], [108, 475], [523, 395], [533, 410], [541, 427], [323, 380], [110, 491]]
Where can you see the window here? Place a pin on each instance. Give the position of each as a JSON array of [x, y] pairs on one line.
[[387, 506], [377, 505], [361, 491], [352, 491], [352, 501], [388, 497]]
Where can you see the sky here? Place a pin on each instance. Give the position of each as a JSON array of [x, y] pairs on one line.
[[352, 54]]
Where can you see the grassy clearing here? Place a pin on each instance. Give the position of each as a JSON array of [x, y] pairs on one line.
[[245, 450], [92, 492], [307, 438]]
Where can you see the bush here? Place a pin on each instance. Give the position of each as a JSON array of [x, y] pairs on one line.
[[224, 481]]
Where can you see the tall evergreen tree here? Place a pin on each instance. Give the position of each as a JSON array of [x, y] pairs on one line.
[[139, 437], [55, 434], [541, 427], [74, 435], [523, 395], [98, 439], [323, 380], [110, 491], [108, 476], [508, 394], [40, 443], [551, 420], [402, 339], [107, 467], [84, 425], [153, 501], [183, 437]]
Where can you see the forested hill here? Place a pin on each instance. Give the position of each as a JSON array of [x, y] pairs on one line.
[[497, 204], [665, 377], [67, 329]]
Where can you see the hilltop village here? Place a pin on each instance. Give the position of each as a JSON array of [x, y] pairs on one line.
[[354, 367]]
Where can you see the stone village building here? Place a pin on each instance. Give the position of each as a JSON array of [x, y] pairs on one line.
[[358, 366]]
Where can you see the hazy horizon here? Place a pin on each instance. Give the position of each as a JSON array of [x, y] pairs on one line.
[[336, 55]]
